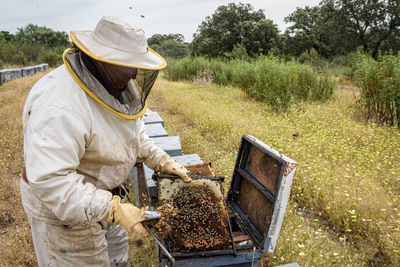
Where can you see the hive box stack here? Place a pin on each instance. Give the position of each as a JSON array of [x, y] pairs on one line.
[[7, 75], [170, 144]]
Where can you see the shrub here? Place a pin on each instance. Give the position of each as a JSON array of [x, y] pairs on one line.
[[379, 81], [312, 58], [239, 52], [52, 57]]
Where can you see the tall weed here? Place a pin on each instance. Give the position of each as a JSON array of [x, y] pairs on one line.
[[268, 79], [282, 83], [379, 81]]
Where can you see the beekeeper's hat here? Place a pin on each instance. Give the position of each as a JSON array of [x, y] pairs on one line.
[[118, 42]]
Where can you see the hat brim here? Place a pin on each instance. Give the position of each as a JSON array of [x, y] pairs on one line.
[[150, 60]]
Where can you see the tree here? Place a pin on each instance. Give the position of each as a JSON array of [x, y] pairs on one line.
[[320, 28], [373, 21], [340, 26], [261, 37], [303, 34], [169, 45], [7, 36], [44, 36], [235, 24], [157, 39], [33, 44]]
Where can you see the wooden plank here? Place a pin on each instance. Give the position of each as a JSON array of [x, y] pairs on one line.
[[152, 117], [31, 70], [170, 144], [2, 76], [138, 179], [151, 186], [241, 238], [45, 66], [5, 75], [135, 184], [37, 68], [189, 159], [15, 74], [156, 130], [25, 71]]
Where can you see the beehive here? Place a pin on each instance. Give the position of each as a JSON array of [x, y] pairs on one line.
[[201, 222]]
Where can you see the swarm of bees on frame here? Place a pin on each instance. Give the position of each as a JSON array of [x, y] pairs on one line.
[[195, 222]]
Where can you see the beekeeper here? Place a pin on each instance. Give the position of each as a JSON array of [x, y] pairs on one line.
[[83, 132]]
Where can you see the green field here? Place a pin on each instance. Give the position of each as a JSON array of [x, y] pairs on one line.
[[345, 197], [344, 206]]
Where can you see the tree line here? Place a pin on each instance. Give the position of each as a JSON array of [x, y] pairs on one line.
[[332, 28], [32, 44], [236, 30]]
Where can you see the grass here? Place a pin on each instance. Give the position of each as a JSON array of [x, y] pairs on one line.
[[11, 66], [344, 206], [348, 182], [15, 237]]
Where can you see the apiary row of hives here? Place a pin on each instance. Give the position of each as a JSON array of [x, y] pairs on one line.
[[11, 74]]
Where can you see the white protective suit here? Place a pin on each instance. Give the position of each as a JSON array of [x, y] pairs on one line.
[[75, 151]]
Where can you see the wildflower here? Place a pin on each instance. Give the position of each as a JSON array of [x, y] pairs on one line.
[[301, 254]]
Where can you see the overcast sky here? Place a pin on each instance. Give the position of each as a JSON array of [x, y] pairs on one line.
[[160, 16]]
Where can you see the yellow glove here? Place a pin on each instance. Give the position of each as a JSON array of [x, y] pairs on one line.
[[128, 216], [170, 166]]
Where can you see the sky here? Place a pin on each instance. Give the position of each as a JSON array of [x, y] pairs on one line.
[[156, 16]]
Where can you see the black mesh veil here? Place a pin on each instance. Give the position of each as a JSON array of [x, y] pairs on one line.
[[145, 79], [130, 101]]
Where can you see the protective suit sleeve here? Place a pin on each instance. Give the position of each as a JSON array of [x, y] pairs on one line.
[[148, 152], [55, 138]]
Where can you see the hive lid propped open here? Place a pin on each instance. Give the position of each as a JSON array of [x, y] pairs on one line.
[[260, 189]]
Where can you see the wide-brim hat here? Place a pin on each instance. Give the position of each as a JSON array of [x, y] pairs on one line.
[[118, 42]]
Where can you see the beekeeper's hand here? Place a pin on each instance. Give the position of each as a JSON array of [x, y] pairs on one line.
[[128, 216], [170, 166]]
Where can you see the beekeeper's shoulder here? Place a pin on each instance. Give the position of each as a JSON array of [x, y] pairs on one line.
[[57, 92], [58, 89]]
